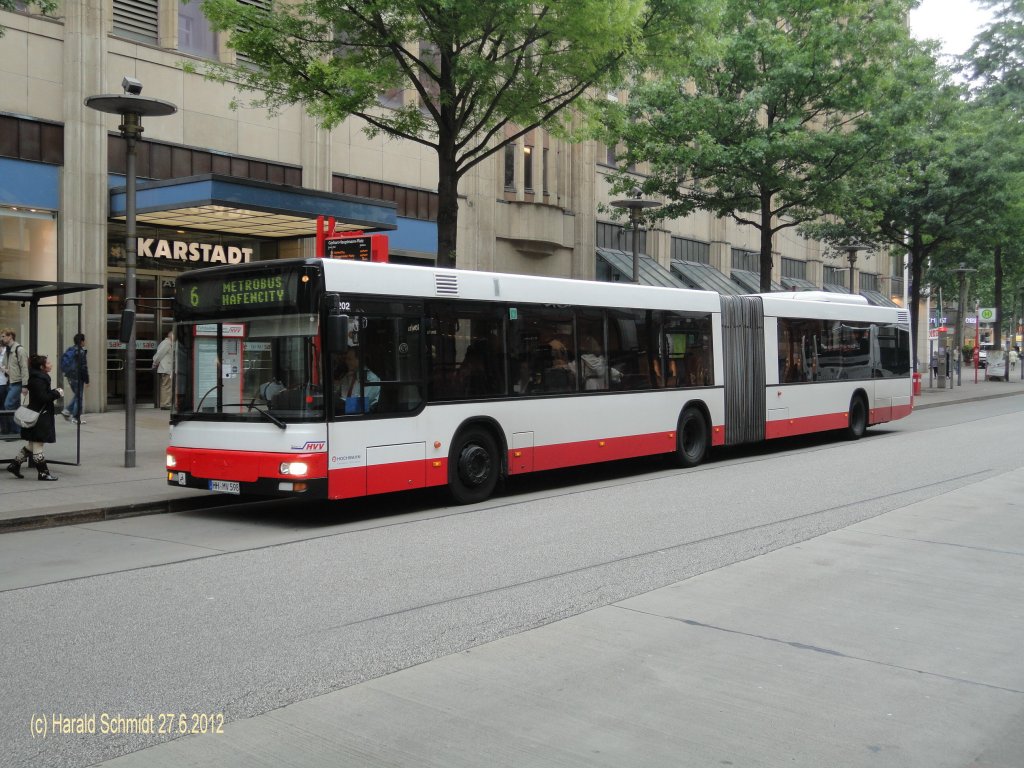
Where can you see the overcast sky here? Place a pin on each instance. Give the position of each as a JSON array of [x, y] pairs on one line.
[[954, 22]]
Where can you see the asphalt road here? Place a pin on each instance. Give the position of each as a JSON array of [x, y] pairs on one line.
[[244, 611]]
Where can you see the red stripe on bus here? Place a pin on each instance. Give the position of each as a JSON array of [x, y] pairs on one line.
[[243, 466], [805, 425]]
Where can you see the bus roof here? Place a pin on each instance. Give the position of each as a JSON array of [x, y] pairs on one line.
[[431, 282]]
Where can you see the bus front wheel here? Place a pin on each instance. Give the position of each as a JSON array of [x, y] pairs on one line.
[[691, 438], [858, 418], [474, 467]]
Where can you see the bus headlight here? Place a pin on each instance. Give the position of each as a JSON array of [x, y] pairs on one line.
[[171, 461], [298, 468]]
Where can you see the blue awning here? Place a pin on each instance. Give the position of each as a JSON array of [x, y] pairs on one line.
[[248, 208], [619, 266]]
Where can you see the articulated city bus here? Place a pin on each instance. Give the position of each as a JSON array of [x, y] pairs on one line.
[[338, 379]]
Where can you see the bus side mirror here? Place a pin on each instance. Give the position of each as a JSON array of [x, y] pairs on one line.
[[337, 333]]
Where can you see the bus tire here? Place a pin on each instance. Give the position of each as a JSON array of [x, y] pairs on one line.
[[691, 438], [858, 418], [474, 467]]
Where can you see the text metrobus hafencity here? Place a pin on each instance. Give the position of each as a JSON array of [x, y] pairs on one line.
[[337, 379]]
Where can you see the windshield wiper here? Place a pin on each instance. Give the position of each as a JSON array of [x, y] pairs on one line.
[[195, 412], [261, 411]]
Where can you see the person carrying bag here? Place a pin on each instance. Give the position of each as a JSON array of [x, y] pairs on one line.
[[41, 397]]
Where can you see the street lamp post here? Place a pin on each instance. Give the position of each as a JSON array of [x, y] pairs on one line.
[[132, 108], [851, 256], [961, 272], [635, 204]]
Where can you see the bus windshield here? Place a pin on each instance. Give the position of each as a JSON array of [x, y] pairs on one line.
[[264, 368]]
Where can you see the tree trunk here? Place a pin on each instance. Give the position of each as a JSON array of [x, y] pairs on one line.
[[447, 208], [916, 270], [766, 244]]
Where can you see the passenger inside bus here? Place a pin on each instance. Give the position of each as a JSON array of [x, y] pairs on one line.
[[593, 366], [551, 369]]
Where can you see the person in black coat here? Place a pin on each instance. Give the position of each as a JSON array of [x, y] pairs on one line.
[[41, 397]]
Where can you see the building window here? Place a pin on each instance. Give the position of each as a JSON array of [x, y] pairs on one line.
[[748, 260], [137, 20], [794, 268], [544, 171], [834, 276], [868, 282], [510, 167], [528, 168], [194, 33], [620, 238], [430, 55], [690, 250]]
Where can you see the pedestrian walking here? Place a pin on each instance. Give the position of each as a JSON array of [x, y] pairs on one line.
[[74, 364], [16, 368], [163, 364], [6, 422], [41, 399]]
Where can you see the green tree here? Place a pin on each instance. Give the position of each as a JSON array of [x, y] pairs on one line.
[[486, 71], [940, 182], [763, 126], [995, 65]]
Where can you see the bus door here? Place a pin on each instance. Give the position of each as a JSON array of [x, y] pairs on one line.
[[374, 383]]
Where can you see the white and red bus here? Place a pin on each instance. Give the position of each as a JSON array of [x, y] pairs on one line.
[[338, 379]]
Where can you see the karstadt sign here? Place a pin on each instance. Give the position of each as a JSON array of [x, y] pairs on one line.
[[198, 253]]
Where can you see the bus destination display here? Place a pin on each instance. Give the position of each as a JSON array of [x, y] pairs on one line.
[[242, 294]]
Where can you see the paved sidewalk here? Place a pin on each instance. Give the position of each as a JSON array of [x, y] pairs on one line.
[[100, 487], [891, 643]]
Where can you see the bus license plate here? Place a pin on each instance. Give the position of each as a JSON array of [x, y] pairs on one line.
[[225, 486]]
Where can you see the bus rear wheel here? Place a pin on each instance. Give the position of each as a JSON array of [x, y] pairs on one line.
[[858, 418], [474, 467], [691, 438]]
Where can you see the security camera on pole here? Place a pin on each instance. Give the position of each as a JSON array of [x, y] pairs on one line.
[[131, 107]]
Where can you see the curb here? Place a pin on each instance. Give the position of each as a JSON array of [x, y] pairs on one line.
[[99, 514], [922, 406]]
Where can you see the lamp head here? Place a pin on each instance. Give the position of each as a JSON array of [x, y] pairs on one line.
[[131, 86]]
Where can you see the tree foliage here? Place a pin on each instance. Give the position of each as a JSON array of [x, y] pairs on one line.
[[485, 72], [763, 127], [938, 190]]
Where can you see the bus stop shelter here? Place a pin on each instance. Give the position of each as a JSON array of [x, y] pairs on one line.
[[31, 292]]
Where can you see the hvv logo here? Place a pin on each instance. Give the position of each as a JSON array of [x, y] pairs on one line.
[[309, 445]]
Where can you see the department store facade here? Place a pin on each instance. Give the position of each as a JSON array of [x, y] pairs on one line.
[[221, 185]]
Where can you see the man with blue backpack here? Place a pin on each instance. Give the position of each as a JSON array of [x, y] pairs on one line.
[[75, 367]]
